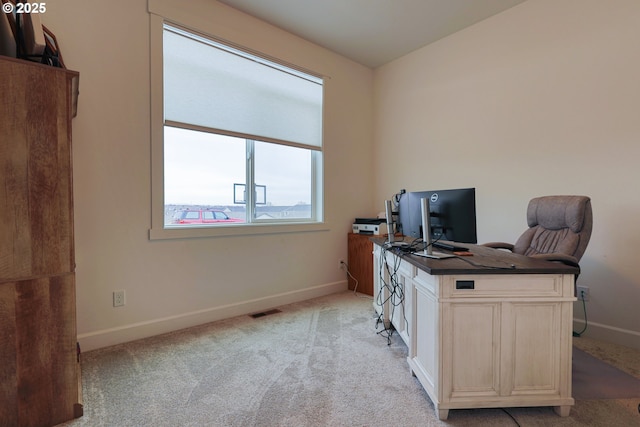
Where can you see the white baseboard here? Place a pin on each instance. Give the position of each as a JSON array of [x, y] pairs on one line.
[[108, 337], [607, 333]]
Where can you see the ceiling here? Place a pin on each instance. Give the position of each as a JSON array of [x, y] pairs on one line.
[[372, 32]]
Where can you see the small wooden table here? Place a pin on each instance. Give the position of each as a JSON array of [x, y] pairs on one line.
[[360, 263]]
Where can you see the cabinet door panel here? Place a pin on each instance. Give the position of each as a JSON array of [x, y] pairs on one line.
[[531, 342], [425, 328], [397, 306], [407, 310], [35, 173], [471, 343], [42, 364]]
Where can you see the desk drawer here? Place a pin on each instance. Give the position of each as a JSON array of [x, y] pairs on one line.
[[509, 286], [407, 269], [426, 281]]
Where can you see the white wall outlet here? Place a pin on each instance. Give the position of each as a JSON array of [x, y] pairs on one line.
[[118, 298], [583, 293], [342, 265]]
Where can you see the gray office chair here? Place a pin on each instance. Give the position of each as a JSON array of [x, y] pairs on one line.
[[559, 229]]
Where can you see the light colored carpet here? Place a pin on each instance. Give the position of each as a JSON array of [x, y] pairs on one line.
[[317, 363]]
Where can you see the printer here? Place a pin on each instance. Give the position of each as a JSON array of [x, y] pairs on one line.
[[374, 226]]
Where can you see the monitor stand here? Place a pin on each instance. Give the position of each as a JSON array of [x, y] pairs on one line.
[[433, 254], [397, 245], [426, 234]]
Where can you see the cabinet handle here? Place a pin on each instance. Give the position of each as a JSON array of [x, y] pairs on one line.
[[465, 284]]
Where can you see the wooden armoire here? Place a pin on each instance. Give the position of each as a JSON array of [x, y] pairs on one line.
[[39, 360]]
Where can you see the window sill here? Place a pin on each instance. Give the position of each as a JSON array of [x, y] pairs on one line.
[[233, 230]]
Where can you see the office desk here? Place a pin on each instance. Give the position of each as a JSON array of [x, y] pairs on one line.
[[485, 331]]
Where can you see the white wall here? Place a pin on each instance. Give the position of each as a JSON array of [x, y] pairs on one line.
[[174, 284], [540, 99]]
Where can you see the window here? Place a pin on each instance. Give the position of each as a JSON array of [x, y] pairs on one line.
[[241, 139]]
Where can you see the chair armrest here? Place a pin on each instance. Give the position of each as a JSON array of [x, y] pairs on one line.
[[499, 245], [565, 259]]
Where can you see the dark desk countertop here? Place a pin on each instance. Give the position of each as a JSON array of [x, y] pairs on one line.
[[484, 260]]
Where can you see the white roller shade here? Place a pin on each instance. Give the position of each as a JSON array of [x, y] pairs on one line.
[[211, 85]]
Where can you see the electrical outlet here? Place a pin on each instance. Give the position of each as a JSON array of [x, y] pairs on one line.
[[583, 293], [118, 298], [342, 265]]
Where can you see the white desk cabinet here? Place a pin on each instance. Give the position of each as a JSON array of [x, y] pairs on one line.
[[480, 335]]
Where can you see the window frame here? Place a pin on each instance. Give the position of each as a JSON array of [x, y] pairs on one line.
[[158, 230]]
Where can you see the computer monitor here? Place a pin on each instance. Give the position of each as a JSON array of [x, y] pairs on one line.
[[452, 213]]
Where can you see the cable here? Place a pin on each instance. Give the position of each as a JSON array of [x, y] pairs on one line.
[[387, 331], [355, 288], [394, 289], [397, 197], [584, 308], [512, 417]]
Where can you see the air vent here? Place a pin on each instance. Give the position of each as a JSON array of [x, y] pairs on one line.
[[265, 313]]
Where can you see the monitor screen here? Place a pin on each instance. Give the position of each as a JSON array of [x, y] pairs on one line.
[[453, 214]]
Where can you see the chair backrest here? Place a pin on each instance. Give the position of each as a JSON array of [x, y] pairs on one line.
[[557, 224]]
